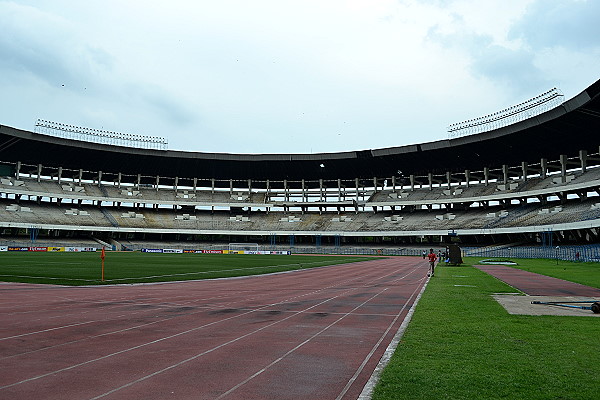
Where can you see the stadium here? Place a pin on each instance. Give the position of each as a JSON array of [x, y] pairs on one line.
[[514, 178], [326, 264]]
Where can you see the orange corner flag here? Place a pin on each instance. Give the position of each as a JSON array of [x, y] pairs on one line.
[[102, 255]]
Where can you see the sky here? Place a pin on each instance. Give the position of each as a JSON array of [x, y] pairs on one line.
[[288, 76]]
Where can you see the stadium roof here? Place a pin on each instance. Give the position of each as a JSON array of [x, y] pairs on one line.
[[573, 126]]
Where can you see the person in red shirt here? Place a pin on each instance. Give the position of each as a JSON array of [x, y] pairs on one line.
[[432, 258]]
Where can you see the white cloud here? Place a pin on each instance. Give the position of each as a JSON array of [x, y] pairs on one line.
[[280, 76]]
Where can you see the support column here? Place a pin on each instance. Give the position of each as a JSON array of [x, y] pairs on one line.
[[268, 193], [320, 189], [524, 170], [544, 167], [563, 167], [505, 173], [583, 160]]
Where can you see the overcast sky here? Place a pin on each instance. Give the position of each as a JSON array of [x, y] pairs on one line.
[[283, 76]]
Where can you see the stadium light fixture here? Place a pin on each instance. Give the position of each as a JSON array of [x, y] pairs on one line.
[[100, 136], [527, 109]]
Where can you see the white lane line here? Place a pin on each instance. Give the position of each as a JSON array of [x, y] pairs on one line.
[[315, 335], [297, 347], [243, 336], [367, 391], [213, 349], [49, 329], [376, 346], [174, 335]]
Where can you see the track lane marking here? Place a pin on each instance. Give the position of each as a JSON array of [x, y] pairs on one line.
[[175, 335]]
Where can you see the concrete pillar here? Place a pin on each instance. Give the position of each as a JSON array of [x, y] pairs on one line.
[[544, 168], [583, 160], [321, 190], [563, 166]]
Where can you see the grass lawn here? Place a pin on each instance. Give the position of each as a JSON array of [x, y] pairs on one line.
[[461, 344], [133, 267]]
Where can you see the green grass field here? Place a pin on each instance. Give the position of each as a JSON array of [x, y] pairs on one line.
[[461, 344], [133, 267]]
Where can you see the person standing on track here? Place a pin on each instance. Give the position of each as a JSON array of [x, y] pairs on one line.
[[432, 258]]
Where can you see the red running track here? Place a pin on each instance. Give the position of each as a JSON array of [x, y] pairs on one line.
[[538, 285], [310, 334]]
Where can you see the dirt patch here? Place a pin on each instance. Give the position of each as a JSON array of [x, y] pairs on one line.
[[521, 305]]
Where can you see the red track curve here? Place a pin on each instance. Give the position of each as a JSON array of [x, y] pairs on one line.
[[536, 284], [310, 334]]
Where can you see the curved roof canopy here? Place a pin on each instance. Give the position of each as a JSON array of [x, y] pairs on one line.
[[567, 129]]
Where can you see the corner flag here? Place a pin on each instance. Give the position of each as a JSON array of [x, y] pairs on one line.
[[102, 255]]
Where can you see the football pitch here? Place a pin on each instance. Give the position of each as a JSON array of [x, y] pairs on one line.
[[76, 269], [461, 343]]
